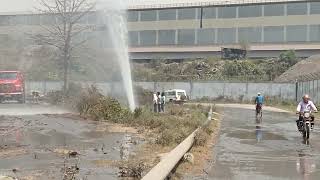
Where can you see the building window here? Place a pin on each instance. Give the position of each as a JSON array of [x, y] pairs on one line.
[[4, 20], [167, 37], [83, 19], [226, 35], [250, 11], [148, 15], [297, 8], [18, 20], [208, 13], [314, 33], [297, 33], [187, 13], [273, 34], [148, 38], [33, 19], [227, 12], [47, 19], [250, 34], [92, 18], [206, 36], [274, 10], [167, 14], [186, 36], [132, 16], [4, 38], [315, 8], [133, 38]]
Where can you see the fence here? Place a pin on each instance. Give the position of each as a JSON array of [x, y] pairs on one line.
[[196, 90], [309, 87]]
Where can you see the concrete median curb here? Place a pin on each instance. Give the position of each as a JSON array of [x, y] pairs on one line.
[[169, 162]]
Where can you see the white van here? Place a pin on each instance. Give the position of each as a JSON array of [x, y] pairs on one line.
[[174, 95]]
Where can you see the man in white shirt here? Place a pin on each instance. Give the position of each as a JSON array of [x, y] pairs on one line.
[[305, 105]]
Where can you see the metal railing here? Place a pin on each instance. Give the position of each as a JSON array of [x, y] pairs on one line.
[[174, 4]]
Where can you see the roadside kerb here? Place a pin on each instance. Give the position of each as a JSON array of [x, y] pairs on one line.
[[169, 162]]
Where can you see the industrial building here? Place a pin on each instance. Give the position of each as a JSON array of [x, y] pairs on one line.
[[194, 29], [265, 28]]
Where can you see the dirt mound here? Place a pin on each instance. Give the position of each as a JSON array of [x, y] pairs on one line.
[[307, 69]]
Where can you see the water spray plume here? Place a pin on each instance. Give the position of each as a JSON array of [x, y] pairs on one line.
[[114, 18]]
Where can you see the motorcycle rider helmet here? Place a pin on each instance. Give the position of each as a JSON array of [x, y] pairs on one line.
[[259, 94]]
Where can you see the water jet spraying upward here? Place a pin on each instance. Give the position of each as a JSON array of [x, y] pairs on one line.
[[113, 17]]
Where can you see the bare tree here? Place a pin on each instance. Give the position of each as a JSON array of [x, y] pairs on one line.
[[61, 33]]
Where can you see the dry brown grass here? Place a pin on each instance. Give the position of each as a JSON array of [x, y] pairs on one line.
[[203, 153]]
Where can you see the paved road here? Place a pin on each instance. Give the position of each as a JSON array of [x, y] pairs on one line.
[[271, 150]]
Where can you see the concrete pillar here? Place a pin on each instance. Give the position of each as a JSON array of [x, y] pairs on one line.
[[157, 15], [285, 10], [308, 25], [308, 33], [216, 35], [285, 34], [177, 14], [217, 13], [196, 36], [176, 37], [262, 34], [237, 12], [139, 39], [237, 34], [157, 37], [139, 16]]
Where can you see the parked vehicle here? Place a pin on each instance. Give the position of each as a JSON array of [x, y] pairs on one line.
[[176, 95], [12, 86]]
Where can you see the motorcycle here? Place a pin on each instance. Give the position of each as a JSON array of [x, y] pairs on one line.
[[259, 113], [305, 126]]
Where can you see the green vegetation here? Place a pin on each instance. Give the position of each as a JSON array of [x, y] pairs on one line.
[[215, 69], [169, 128]]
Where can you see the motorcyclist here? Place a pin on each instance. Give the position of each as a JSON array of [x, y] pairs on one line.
[[305, 105], [259, 101]]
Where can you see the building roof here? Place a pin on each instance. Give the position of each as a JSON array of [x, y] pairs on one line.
[[156, 4]]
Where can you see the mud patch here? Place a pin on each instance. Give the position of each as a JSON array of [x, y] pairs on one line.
[[40, 146], [12, 151]]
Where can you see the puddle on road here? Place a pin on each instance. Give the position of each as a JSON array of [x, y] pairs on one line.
[[48, 140], [247, 134]]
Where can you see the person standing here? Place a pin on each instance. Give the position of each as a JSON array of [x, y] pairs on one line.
[[163, 101], [159, 101], [155, 103]]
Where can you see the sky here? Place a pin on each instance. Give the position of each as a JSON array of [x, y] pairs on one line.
[[17, 5]]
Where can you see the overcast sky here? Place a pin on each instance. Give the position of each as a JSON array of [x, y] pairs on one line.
[[17, 5]]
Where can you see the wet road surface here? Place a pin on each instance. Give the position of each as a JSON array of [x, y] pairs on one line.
[[37, 146], [271, 150]]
